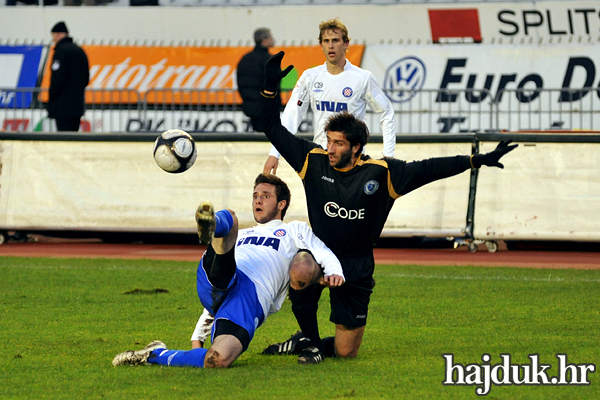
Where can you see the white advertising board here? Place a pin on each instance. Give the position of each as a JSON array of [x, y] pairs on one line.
[[117, 186], [547, 191], [458, 88]]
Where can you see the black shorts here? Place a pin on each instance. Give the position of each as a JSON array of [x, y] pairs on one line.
[[350, 302]]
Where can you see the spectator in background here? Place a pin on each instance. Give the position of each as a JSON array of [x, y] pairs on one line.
[[70, 76], [251, 75]]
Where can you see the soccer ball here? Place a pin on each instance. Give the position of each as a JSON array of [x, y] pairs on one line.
[[175, 151]]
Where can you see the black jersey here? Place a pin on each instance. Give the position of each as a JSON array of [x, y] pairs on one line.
[[348, 208]]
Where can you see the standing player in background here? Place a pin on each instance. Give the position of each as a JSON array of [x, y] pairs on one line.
[[332, 87], [349, 196], [70, 76], [243, 276], [251, 75]]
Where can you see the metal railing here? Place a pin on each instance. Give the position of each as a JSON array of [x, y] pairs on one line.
[[425, 111]]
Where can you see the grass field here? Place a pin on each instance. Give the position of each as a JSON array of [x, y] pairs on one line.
[[63, 320]]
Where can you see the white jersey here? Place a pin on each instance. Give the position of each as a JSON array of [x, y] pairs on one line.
[[351, 90], [265, 251], [264, 254]]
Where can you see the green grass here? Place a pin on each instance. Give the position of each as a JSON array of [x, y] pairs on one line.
[[62, 322]]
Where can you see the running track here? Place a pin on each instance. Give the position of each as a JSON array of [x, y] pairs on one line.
[[446, 257]]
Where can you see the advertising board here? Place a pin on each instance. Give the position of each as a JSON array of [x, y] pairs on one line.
[[19, 66]]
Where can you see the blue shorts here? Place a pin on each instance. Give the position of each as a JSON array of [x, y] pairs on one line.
[[238, 303]]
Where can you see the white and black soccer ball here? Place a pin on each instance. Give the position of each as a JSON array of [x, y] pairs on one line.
[[175, 151]]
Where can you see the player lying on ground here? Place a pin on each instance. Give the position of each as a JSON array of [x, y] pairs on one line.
[[349, 196], [243, 276]]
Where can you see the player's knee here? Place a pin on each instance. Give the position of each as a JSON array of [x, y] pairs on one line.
[[346, 351], [214, 360], [304, 271], [233, 216]]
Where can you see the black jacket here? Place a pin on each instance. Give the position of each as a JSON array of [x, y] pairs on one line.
[[70, 76], [250, 79]]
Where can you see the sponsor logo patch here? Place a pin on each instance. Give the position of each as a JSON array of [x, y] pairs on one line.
[[318, 87], [333, 210]]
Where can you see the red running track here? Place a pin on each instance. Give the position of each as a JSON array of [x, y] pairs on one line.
[[443, 257]]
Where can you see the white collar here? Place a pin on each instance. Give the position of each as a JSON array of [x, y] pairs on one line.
[[273, 222]]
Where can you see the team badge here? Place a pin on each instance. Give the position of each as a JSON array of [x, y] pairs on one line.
[[371, 187], [55, 65], [347, 92], [279, 232]]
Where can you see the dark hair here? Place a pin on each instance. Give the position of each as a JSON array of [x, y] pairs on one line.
[[260, 34], [356, 131], [281, 189], [333, 25]]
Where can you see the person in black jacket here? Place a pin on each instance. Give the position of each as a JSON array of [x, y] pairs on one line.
[[251, 75], [70, 76]]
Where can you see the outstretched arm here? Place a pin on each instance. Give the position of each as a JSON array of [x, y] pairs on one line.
[[492, 158], [292, 148], [294, 112], [407, 177]]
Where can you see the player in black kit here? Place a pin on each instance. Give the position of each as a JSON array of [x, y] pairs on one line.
[[349, 196]]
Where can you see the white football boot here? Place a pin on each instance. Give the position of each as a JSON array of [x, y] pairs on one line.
[[205, 221], [139, 357]]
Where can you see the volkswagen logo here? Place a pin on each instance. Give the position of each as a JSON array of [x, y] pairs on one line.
[[404, 78]]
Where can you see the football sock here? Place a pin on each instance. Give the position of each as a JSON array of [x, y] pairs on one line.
[[178, 358], [305, 303], [328, 346], [222, 269], [224, 222]]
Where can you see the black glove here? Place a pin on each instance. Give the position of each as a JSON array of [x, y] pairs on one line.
[[273, 72], [491, 159]]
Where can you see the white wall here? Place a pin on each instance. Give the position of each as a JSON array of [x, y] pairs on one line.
[[117, 186], [547, 191], [548, 21], [227, 25]]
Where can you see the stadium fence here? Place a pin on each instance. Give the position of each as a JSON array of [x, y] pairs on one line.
[[219, 110]]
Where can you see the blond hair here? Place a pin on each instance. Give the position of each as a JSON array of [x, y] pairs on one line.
[[333, 25]]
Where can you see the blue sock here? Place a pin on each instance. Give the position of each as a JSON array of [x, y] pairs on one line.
[[224, 223], [178, 358]]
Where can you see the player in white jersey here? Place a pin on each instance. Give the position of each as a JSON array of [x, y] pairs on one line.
[[243, 276], [333, 87]]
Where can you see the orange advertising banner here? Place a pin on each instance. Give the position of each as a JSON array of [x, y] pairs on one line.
[[180, 75]]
